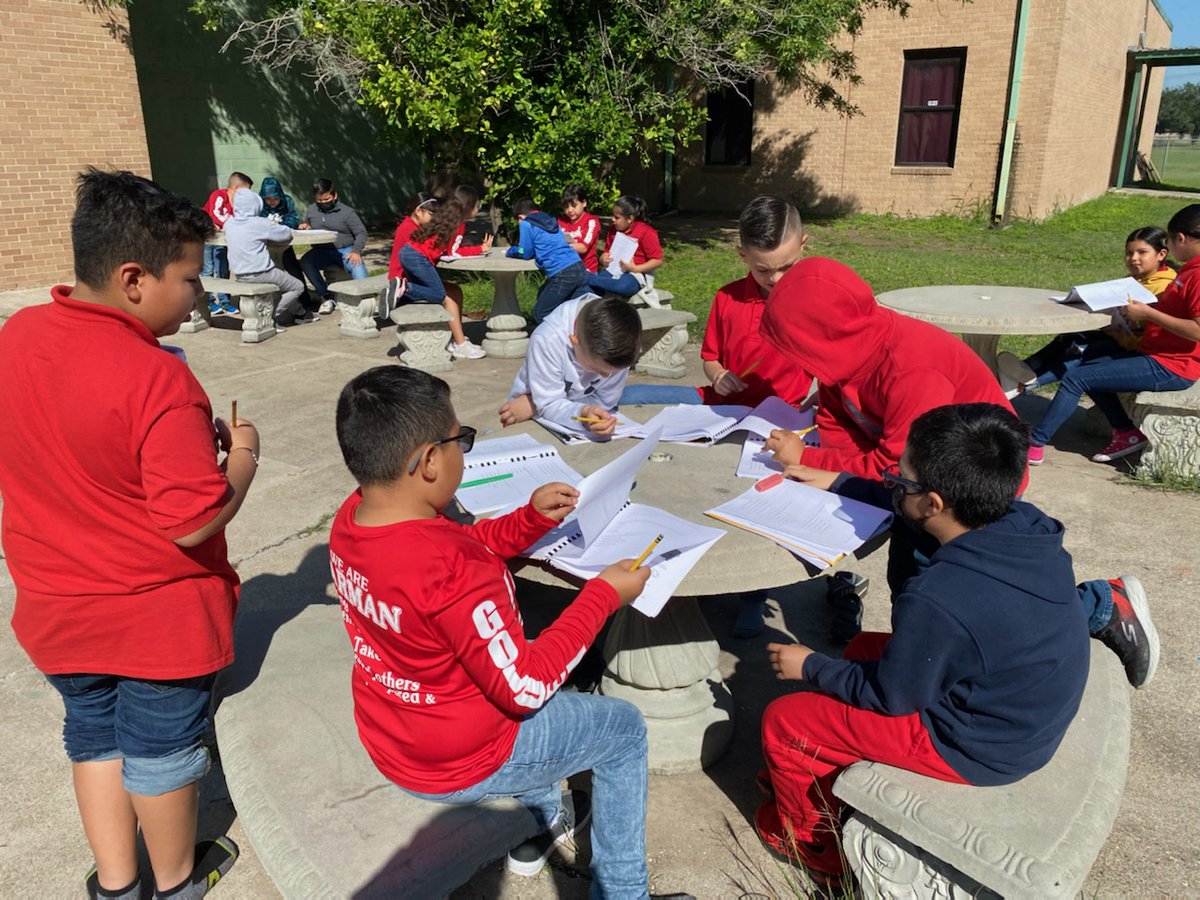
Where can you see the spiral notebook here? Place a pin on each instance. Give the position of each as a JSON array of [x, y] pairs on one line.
[[578, 433], [708, 424], [501, 473]]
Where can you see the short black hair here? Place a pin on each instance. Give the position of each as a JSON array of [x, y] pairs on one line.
[[323, 186], [974, 455], [524, 207], [1186, 221], [610, 329], [384, 415], [1152, 235], [243, 178], [574, 193], [121, 217], [767, 221]]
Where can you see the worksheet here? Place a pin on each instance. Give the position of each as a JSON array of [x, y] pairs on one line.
[[577, 432], [501, 473], [1105, 295], [622, 250]]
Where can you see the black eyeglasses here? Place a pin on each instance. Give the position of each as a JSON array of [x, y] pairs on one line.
[[465, 437], [893, 479]]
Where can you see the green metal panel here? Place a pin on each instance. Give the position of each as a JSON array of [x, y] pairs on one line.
[[208, 113]]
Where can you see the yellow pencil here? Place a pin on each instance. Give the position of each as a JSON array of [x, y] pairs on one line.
[[750, 368], [641, 559], [804, 431], [588, 419], [233, 417]]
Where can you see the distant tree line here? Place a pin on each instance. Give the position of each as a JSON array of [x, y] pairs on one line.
[[1179, 111]]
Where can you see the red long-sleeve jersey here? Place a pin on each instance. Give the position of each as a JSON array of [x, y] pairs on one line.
[[585, 231]]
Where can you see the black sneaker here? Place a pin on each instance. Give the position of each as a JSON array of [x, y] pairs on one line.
[[845, 594], [530, 857], [1129, 633]]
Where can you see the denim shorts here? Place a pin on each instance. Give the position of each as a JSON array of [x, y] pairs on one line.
[[155, 727]]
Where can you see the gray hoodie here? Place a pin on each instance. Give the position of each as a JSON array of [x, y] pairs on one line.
[[246, 232]]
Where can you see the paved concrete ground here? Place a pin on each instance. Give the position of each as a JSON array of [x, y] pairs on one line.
[[699, 836]]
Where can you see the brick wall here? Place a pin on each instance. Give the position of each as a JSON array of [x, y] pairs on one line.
[[68, 98]]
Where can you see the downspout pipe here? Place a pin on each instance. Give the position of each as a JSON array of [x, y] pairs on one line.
[[1010, 122]]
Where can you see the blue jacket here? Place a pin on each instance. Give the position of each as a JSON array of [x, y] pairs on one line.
[[989, 645], [540, 239], [285, 213]]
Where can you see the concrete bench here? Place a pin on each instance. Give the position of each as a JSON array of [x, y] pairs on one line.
[[664, 334], [1171, 420], [256, 302], [423, 336], [912, 836], [358, 301]]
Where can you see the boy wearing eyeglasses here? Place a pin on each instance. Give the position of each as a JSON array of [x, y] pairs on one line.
[[987, 659], [453, 704]]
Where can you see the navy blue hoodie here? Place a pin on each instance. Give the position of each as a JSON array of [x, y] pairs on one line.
[[989, 645], [541, 240]]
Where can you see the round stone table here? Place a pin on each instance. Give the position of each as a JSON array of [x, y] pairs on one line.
[[278, 248], [981, 313], [667, 666], [506, 337]]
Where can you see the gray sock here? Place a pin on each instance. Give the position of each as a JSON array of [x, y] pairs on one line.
[[213, 860]]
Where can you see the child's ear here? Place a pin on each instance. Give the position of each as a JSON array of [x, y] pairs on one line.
[[933, 504], [803, 240], [741, 253], [574, 342], [129, 278]]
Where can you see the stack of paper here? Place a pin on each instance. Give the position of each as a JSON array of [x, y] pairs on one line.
[[756, 461], [708, 424], [813, 524], [578, 432], [501, 473], [1104, 295]]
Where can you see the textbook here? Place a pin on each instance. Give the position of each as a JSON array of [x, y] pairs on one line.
[[501, 473], [708, 424], [815, 525], [1105, 295], [606, 527], [577, 432]]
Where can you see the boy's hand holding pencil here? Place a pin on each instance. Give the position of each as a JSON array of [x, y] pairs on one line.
[[626, 580], [555, 500], [787, 446], [599, 421], [238, 433], [728, 383]]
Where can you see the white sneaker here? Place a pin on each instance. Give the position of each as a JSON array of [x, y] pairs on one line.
[[466, 350], [326, 307], [1016, 377]]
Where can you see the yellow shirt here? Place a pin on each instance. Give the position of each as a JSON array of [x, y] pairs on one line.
[[1126, 333]]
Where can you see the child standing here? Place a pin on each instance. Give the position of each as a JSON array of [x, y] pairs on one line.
[[576, 365], [629, 219], [483, 717], [108, 449], [988, 656], [219, 207], [741, 366], [540, 239], [582, 229], [418, 257], [1145, 260], [246, 233], [1168, 358], [327, 211]]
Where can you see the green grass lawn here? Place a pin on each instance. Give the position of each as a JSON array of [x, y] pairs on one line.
[[1178, 164], [1081, 245]]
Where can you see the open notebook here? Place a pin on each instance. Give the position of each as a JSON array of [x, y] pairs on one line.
[[708, 424], [816, 525], [606, 527], [577, 432], [502, 472], [1104, 295]]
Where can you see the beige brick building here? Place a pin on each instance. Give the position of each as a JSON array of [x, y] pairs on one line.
[[68, 99], [934, 100]]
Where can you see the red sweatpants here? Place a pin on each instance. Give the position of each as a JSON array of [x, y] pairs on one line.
[[808, 738]]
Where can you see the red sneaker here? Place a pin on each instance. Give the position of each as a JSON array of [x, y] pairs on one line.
[[823, 862], [1122, 444]]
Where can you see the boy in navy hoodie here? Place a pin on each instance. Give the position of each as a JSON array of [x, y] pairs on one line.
[[988, 656], [541, 239]]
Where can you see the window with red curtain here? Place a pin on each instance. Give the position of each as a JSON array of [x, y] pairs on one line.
[[929, 103]]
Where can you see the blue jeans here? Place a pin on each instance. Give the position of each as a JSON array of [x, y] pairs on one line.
[[216, 264], [327, 256], [1100, 378], [662, 394], [573, 733], [558, 289], [602, 283], [424, 283], [1069, 351], [155, 727]]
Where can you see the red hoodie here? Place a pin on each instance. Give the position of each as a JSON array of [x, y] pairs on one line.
[[877, 370]]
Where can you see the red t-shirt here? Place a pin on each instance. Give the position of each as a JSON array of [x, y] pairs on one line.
[[218, 207], [587, 232], [456, 245], [1182, 300], [433, 249], [403, 232], [648, 246], [732, 338], [443, 674], [107, 455]]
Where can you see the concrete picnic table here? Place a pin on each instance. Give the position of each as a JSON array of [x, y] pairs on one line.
[[506, 337], [981, 313], [310, 236]]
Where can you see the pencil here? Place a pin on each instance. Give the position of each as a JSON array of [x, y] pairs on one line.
[[233, 417], [588, 419], [487, 480], [641, 559], [750, 368], [804, 431]]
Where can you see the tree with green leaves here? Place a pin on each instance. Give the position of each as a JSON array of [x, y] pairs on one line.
[[1179, 110], [526, 96]]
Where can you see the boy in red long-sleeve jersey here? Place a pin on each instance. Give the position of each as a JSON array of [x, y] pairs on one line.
[[452, 703]]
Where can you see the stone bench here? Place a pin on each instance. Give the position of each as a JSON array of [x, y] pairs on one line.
[[256, 302], [1171, 420], [664, 334], [423, 336], [912, 836], [358, 301]]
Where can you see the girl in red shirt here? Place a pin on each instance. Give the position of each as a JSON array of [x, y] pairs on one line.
[[420, 211], [628, 219]]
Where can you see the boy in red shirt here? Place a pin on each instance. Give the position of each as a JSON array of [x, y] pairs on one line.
[[452, 703], [219, 207], [114, 516], [581, 228]]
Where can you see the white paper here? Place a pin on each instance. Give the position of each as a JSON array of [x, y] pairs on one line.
[[301, 235], [1104, 295], [756, 461], [493, 449], [605, 491], [815, 525], [687, 423], [578, 432], [510, 493], [621, 250], [775, 412]]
